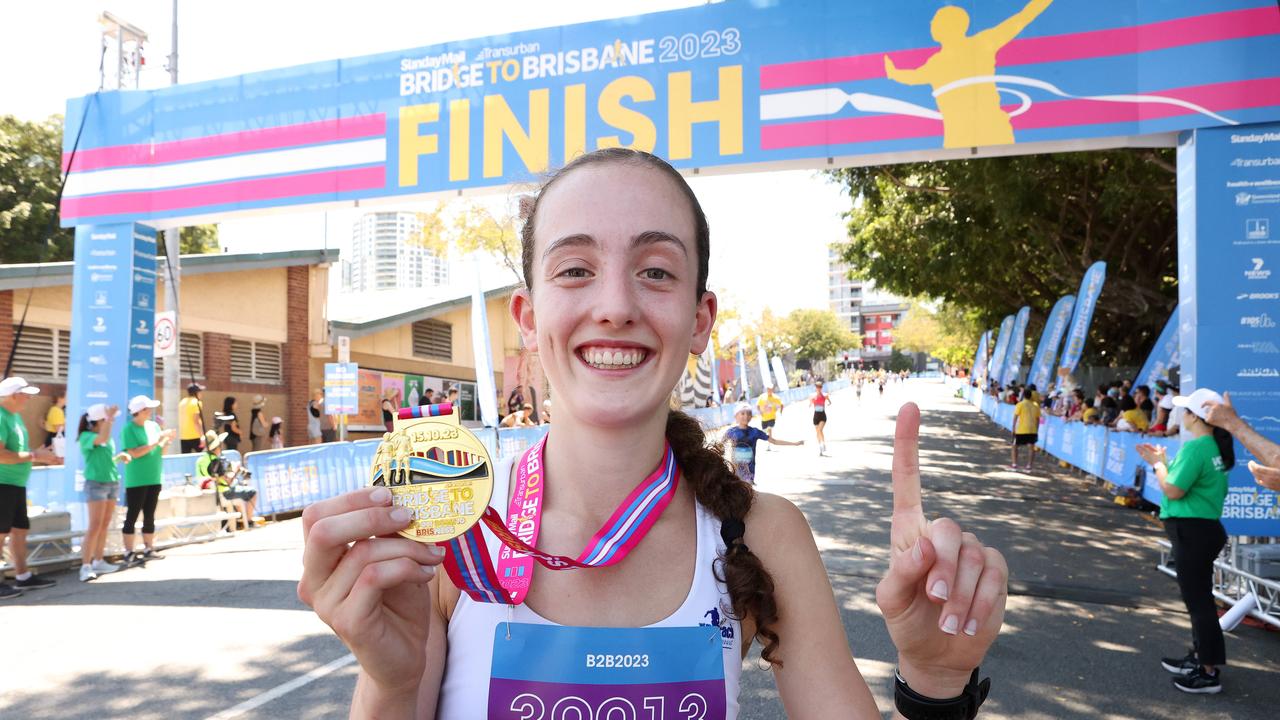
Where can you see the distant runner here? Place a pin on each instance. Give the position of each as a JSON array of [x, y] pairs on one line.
[[819, 401]]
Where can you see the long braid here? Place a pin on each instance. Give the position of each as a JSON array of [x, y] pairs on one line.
[[729, 498]]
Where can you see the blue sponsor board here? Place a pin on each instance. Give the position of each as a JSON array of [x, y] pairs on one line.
[[142, 313], [1229, 291], [1093, 448]]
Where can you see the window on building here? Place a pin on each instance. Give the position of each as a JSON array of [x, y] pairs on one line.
[[433, 339], [256, 362], [42, 354], [191, 358]]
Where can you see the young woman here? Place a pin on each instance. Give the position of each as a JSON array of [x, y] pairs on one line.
[[230, 423], [819, 401], [101, 485], [742, 438], [1195, 488], [615, 252], [143, 441], [258, 424]]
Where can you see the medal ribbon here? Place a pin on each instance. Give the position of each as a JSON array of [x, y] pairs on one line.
[[471, 569]]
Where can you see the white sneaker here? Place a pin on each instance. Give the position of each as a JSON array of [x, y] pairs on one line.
[[87, 573], [102, 567]]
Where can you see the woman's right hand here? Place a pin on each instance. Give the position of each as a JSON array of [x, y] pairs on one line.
[[371, 589]]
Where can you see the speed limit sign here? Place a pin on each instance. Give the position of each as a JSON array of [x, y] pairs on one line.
[[166, 341]]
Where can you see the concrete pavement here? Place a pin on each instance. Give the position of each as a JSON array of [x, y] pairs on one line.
[[216, 629]]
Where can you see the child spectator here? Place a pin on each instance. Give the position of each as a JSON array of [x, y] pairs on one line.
[[276, 433]]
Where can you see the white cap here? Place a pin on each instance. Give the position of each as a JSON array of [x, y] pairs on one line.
[[1166, 401], [1196, 400], [14, 385], [138, 403], [97, 412], [741, 407]]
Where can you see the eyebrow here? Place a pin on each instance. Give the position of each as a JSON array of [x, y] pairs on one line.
[[647, 237]]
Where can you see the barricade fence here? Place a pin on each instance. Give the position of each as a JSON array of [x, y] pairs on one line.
[[289, 479], [53, 489], [1249, 510]]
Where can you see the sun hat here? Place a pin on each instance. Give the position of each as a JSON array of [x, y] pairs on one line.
[[15, 385], [213, 439], [276, 420], [1196, 400], [97, 412], [259, 402], [138, 403]]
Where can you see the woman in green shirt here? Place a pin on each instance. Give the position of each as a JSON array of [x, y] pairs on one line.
[[101, 485], [144, 441], [1195, 487]]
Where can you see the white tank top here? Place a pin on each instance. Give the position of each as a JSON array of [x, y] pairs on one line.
[[474, 628]]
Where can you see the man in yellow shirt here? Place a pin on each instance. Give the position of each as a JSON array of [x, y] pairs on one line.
[[191, 419], [769, 405], [1026, 428], [55, 420]]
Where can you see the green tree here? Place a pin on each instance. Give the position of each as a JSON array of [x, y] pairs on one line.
[[818, 334], [30, 175], [898, 361], [995, 234], [947, 333], [194, 240], [472, 228]]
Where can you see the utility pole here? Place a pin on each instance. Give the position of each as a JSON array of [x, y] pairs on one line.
[[172, 379]]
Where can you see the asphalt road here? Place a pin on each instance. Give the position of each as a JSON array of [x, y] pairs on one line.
[[215, 630]]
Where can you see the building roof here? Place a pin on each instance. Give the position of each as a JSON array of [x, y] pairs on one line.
[[52, 274], [357, 314]]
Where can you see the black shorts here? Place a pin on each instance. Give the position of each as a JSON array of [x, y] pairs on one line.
[[819, 416], [240, 494], [766, 424], [190, 446], [13, 508], [1026, 438]]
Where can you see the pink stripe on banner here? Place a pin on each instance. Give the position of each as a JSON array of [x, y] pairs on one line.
[[273, 138], [1218, 97], [199, 196], [1215, 27]]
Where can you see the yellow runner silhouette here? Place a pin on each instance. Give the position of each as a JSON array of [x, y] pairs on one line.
[[971, 113]]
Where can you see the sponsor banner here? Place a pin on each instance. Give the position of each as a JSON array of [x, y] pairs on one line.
[[1082, 315], [1164, 356], [142, 314], [1229, 279], [340, 388], [744, 85], [1042, 370], [1002, 347], [1017, 346]]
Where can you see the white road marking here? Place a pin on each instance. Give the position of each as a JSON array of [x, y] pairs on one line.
[[282, 690]]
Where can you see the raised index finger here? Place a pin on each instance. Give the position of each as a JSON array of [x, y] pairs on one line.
[[906, 460], [344, 503]]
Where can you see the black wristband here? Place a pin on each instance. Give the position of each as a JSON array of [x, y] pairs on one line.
[[915, 706]]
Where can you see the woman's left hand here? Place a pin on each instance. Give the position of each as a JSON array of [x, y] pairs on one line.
[[944, 595]]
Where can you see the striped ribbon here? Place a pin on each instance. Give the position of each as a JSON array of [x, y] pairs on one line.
[[470, 566], [421, 411]]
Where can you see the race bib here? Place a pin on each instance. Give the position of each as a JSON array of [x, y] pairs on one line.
[[554, 672], [743, 455]]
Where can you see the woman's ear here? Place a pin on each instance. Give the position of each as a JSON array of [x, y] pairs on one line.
[[704, 320], [521, 309]]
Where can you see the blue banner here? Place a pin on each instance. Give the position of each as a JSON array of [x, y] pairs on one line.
[[1042, 370], [113, 284], [1228, 288], [341, 388], [1016, 348], [1002, 347], [788, 83], [980, 358], [1082, 316], [1093, 453], [1163, 356]]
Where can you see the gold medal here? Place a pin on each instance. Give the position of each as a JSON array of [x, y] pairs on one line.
[[437, 469]]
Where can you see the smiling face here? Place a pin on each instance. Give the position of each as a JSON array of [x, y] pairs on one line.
[[612, 308]]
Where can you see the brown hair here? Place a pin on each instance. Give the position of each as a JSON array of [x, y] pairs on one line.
[[703, 466], [529, 206]]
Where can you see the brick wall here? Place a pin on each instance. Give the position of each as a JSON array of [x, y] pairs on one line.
[[6, 326], [296, 357], [217, 359]]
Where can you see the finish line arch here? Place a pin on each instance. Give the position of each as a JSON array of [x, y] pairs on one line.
[[726, 88]]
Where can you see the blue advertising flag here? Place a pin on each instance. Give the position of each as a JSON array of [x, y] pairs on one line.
[[1163, 356], [989, 356], [1086, 301], [763, 362], [980, 357], [742, 372], [1054, 328], [1002, 346], [1016, 348]]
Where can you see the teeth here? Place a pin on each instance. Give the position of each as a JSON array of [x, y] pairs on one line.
[[609, 359]]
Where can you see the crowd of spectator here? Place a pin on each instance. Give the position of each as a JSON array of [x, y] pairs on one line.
[[1117, 404]]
